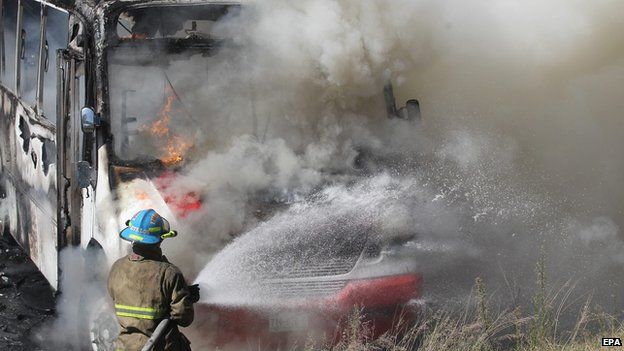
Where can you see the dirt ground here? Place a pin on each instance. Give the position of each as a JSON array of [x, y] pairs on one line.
[[26, 299]]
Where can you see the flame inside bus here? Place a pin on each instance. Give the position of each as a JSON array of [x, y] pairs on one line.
[[174, 146]]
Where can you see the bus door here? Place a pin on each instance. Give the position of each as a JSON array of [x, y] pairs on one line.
[[70, 99]]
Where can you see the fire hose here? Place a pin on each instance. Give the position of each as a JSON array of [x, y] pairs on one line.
[[158, 333], [164, 324]]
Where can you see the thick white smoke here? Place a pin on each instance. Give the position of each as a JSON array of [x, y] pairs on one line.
[[515, 132], [84, 300], [519, 147], [520, 117]]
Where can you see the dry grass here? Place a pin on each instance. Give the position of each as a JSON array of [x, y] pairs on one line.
[[475, 329], [469, 331]]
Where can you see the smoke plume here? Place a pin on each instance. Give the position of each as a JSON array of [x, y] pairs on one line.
[[519, 149], [519, 140]]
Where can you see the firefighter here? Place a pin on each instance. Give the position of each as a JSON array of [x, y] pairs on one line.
[[146, 288]]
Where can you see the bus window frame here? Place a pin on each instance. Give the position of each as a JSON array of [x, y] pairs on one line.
[[44, 63], [19, 46], [3, 51], [2, 43], [41, 62]]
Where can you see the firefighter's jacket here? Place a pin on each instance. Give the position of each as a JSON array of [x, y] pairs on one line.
[[146, 288]]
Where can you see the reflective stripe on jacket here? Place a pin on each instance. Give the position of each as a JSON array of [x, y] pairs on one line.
[[145, 289], [139, 312]]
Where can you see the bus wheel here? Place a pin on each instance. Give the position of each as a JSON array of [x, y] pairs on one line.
[[103, 327], [96, 307]]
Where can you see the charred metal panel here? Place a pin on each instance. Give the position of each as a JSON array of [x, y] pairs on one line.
[[29, 205], [48, 155], [29, 149]]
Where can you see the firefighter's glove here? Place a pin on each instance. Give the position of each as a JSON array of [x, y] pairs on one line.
[[194, 293]]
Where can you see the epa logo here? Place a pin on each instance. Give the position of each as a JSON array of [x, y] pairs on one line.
[[611, 342]]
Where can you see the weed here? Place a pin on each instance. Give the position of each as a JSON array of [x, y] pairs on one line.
[[481, 302], [475, 328]]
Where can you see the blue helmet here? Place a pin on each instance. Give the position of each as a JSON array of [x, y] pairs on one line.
[[147, 227]]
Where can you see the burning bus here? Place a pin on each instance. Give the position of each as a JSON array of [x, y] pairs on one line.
[[102, 105]]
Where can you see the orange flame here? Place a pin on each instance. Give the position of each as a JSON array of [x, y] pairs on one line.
[[175, 146], [175, 149]]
